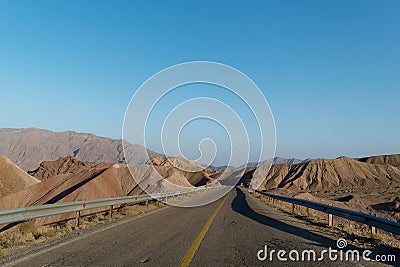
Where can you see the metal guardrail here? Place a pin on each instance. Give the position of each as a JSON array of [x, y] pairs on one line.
[[33, 212], [373, 221]]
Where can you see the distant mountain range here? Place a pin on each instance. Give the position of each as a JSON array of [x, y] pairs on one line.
[[277, 160], [29, 147]]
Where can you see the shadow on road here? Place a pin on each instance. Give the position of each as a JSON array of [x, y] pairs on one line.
[[240, 205]]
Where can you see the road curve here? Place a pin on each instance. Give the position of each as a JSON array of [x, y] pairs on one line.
[[238, 228]]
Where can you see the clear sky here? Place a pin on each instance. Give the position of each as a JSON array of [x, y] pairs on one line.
[[329, 69]]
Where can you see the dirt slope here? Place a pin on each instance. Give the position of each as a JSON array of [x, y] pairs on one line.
[[12, 178]]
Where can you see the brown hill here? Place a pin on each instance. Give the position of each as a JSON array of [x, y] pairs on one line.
[[97, 182], [393, 160], [179, 162], [12, 178], [29, 147], [69, 179], [195, 173], [326, 174], [61, 166], [93, 183]]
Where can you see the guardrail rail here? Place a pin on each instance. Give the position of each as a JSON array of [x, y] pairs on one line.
[[32, 212], [373, 221]]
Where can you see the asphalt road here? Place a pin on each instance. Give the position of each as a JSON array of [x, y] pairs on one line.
[[228, 232]]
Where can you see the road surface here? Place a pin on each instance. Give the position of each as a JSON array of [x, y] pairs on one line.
[[228, 232]]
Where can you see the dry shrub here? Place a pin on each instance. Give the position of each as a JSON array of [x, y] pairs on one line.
[[138, 208], [3, 252], [27, 227]]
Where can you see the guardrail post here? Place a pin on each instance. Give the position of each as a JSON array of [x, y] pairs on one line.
[[307, 211], [273, 200], [77, 218], [373, 231], [292, 208], [147, 203], [111, 211], [330, 220]]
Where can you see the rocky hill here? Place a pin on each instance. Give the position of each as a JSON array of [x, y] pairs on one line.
[[65, 165], [324, 174], [393, 160], [276, 160]]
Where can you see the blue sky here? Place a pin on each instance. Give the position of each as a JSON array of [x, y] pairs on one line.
[[329, 69]]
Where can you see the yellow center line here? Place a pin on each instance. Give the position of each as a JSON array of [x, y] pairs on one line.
[[190, 253]]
